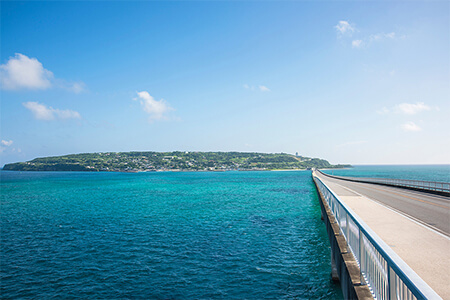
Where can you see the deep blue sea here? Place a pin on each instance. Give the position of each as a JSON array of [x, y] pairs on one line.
[[230, 235], [412, 172]]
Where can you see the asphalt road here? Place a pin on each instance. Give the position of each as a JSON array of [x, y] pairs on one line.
[[429, 209]]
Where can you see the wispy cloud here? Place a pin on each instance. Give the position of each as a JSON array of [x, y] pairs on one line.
[[410, 126], [407, 108], [374, 38], [357, 43], [7, 143], [382, 36], [411, 108], [22, 72], [157, 110], [46, 113], [390, 35], [263, 88], [345, 28], [74, 87]]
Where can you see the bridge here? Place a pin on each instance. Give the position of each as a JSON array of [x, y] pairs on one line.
[[390, 239]]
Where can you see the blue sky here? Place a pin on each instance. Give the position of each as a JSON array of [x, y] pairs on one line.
[[351, 82]]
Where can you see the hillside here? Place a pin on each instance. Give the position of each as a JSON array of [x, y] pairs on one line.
[[170, 161]]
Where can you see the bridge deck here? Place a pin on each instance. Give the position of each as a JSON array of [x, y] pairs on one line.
[[424, 247]]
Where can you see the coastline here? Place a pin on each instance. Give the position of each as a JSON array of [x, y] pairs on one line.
[[160, 171]]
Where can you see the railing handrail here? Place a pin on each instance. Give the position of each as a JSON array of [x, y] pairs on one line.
[[439, 186], [419, 288]]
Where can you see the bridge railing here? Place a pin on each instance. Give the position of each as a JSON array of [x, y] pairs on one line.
[[386, 274], [433, 186]]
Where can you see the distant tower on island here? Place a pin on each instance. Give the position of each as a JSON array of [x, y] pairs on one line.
[[296, 154]]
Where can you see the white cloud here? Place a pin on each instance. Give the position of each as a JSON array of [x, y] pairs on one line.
[[263, 88], [6, 143], [343, 27], [411, 126], [42, 112], [157, 110], [357, 43], [411, 108], [24, 72], [246, 86]]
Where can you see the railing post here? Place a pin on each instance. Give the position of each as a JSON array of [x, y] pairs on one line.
[[361, 257], [392, 284], [347, 230]]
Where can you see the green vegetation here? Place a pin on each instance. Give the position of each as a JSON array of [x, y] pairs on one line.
[[170, 161]]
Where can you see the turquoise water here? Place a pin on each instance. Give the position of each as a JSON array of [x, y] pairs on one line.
[[413, 172], [231, 235]]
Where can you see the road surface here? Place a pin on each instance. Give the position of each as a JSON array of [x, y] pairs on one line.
[[430, 209]]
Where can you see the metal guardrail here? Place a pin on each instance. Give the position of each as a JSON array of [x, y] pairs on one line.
[[433, 186], [386, 274]]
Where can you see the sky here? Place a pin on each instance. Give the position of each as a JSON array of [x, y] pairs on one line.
[[359, 82]]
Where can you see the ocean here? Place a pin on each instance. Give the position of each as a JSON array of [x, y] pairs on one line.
[[165, 235], [439, 173]]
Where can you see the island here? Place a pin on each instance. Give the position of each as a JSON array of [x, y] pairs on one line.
[[171, 161]]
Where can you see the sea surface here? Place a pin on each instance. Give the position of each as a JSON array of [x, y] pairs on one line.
[[199, 235], [411, 172]]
